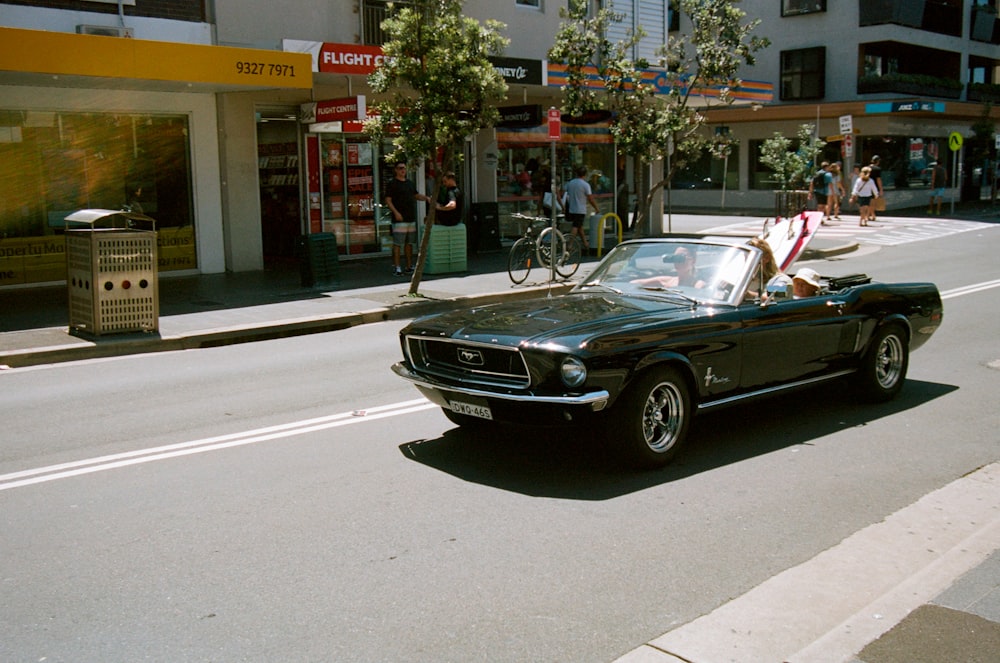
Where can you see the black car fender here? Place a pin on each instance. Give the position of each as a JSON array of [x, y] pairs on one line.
[[881, 323], [665, 358]]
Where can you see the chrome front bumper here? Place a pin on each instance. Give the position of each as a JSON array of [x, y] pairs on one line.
[[595, 400]]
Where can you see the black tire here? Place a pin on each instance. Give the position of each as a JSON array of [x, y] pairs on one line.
[[883, 367], [519, 260], [652, 417], [571, 255]]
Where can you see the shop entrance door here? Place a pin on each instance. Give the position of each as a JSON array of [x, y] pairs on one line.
[[278, 168]]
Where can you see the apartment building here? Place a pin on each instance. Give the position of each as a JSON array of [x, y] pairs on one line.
[[892, 78], [239, 130]]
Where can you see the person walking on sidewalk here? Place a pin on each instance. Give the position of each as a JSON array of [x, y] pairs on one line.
[[820, 186], [939, 178], [876, 176], [837, 192], [401, 196], [578, 196], [863, 192]]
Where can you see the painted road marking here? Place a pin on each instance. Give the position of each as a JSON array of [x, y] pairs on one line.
[[887, 232], [140, 456]]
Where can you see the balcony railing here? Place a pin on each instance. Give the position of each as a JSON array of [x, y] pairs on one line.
[[983, 92], [937, 16], [373, 12], [911, 85]]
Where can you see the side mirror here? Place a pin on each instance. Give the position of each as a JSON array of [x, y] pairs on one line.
[[779, 291]]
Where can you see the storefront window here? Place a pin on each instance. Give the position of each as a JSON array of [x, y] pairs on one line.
[[709, 172], [54, 163], [352, 179], [906, 160], [523, 165]]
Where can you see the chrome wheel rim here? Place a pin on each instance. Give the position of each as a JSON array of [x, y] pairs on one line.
[[889, 361], [662, 417]]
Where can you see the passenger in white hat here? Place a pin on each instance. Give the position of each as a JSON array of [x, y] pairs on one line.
[[805, 283]]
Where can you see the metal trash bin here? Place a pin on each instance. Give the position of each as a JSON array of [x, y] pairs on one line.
[[111, 273]]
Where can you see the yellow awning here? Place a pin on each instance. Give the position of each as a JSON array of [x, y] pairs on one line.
[[41, 58]]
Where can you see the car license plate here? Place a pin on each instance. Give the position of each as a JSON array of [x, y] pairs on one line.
[[481, 411]]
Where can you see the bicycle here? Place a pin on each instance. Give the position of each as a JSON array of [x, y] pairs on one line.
[[567, 250]]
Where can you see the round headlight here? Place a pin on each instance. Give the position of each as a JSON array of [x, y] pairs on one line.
[[573, 372]]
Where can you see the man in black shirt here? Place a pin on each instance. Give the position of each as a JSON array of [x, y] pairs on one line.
[[401, 196]]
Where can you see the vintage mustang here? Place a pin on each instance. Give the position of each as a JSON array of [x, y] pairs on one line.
[[661, 329]]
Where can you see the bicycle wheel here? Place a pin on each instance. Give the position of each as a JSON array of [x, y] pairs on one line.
[[519, 260], [569, 260], [550, 244]]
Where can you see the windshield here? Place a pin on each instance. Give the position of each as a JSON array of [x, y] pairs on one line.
[[690, 269]]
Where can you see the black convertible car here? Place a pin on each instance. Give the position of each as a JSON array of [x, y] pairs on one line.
[[664, 328]]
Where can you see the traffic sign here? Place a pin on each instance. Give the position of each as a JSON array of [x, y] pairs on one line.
[[555, 124], [848, 145], [846, 124], [955, 141]]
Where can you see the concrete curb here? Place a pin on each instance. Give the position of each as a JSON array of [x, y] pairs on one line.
[[79, 348]]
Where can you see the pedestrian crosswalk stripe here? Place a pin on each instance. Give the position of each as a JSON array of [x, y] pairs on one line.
[[883, 232]]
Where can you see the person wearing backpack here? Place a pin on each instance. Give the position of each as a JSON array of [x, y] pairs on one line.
[[819, 186]]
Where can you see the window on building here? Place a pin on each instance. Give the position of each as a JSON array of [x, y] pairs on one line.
[[796, 7], [373, 12], [53, 163], [529, 3], [708, 172], [803, 74]]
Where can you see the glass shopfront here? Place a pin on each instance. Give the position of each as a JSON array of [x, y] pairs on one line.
[[53, 163], [352, 173], [524, 163]]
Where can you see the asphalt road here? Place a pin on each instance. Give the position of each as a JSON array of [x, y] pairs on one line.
[[293, 500]]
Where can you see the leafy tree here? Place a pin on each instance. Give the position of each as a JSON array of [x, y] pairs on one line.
[[438, 85], [790, 160], [647, 124]]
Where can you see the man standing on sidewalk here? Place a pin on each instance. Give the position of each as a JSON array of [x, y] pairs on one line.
[[401, 196]]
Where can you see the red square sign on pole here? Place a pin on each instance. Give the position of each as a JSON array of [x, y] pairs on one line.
[[555, 124]]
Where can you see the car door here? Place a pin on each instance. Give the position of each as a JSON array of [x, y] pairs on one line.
[[794, 339]]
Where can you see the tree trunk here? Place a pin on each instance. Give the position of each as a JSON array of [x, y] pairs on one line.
[[418, 269]]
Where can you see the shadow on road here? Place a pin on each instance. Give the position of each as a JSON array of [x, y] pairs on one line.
[[571, 464]]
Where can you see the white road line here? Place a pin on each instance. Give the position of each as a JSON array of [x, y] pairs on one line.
[[890, 232], [970, 289], [139, 456]]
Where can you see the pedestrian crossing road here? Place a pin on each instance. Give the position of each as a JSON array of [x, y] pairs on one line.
[[889, 231]]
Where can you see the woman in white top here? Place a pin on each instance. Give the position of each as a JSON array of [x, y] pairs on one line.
[[864, 191]]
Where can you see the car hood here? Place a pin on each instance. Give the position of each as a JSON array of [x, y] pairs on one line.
[[541, 320]]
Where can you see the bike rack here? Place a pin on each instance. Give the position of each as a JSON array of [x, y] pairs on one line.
[[600, 235]]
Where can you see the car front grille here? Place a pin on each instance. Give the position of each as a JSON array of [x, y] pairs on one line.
[[468, 363]]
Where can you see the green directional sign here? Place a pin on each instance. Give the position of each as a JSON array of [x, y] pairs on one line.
[[955, 141]]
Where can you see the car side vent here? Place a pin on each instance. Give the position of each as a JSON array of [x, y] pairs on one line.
[[105, 30]]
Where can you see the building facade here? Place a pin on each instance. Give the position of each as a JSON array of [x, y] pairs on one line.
[[239, 131], [893, 78]]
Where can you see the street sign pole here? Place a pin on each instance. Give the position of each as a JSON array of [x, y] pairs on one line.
[[955, 141], [555, 134]]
